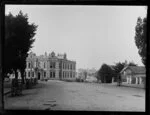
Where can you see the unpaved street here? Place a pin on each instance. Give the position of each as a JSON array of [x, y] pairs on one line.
[[60, 95]]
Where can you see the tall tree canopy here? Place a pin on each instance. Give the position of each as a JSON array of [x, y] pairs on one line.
[[140, 38], [18, 41], [117, 69], [105, 74], [132, 64]]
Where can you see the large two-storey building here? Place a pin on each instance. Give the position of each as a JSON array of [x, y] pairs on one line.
[[50, 67]]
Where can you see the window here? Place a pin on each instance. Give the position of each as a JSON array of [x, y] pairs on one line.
[[28, 74], [71, 74], [65, 66], [59, 65], [50, 74], [44, 74], [44, 64], [71, 66], [32, 74], [53, 74], [52, 65], [28, 65]]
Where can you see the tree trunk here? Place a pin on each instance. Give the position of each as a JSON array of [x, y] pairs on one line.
[[22, 76], [16, 74]]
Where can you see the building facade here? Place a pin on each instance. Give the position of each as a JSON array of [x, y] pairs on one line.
[[133, 75], [50, 67], [87, 74]]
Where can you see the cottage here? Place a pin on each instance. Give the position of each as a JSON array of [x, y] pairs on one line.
[[133, 74]]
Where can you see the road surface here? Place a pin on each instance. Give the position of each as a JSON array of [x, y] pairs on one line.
[[61, 95]]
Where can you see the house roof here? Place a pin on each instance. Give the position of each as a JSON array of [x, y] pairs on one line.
[[135, 69]]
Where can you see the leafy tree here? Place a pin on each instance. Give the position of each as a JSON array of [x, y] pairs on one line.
[[85, 74], [132, 64], [18, 41], [105, 74], [117, 69], [140, 38]]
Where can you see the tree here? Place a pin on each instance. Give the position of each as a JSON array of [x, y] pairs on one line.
[[140, 38], [18, 41], [132, 64], [85, 74], [117, 69], [105, 74]]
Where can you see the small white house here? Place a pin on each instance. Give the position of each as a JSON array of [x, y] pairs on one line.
[[133, 74]]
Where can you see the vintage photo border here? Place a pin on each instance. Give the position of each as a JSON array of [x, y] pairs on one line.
[[70, 2]]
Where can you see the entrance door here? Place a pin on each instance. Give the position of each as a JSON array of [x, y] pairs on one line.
[[38, 76]]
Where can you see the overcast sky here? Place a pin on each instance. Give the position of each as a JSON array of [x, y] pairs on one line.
[[90, 35]]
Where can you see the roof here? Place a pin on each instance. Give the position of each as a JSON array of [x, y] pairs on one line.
[[111, 66], [135, 69]]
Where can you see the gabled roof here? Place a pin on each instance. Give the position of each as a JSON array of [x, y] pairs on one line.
[[135, 69]]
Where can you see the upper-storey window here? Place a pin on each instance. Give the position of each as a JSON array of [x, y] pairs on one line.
[[52, 65], [71, 66], [32, 74], [68, 66], [65, 66], [28, 74], [38, 64], [44, 65], [44, 74], [59, 65]]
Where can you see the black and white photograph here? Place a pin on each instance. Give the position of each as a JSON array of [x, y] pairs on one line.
[[75, 57]]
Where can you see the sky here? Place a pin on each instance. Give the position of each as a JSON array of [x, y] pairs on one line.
[[89, 34]]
